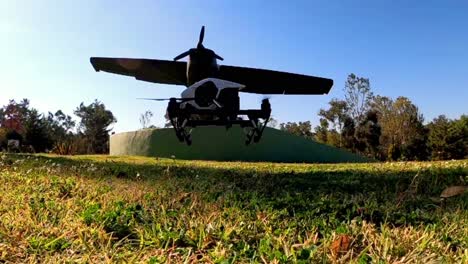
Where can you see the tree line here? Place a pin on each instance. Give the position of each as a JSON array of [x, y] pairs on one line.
[[383, 128], [32, 131], [376, 126]]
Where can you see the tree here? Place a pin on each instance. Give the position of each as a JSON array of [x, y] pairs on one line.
[[2, 116], [35, 132], [64, 121], [417, 146], [3, 137], [60, 126], [460, 135], [401, 127], [438, 133], [14, 114], [358, 96], [94, 124], [302, 129], [368, 134], [347, 134], [321, 131], [336, 115], [334, 138], [145, 119], [448, 139]]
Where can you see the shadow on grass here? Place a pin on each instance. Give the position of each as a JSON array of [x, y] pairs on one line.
[[370, 192]]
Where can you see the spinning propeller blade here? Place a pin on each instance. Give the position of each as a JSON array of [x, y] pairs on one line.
[[180, 56], [199, 47], [218, 57], [201, 37], [167, 99]]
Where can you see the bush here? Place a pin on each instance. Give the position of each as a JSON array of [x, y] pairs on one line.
[[72, 146], [3, 138]]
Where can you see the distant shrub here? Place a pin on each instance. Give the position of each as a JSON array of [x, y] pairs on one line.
[[3, 137], [64, 148], [72, 146]]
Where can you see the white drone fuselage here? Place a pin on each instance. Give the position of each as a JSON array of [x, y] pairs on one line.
[[210, 94], [215, 102], [193, 91]]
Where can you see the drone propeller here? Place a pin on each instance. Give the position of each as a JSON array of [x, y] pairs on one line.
[[199, 47], [201, 37], [218, 57], [184, 54], [168, 99]]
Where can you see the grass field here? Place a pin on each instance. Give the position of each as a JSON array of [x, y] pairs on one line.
[[132, 209]]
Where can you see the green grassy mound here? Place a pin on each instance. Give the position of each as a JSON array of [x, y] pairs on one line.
[[94, 209], [215, 143]]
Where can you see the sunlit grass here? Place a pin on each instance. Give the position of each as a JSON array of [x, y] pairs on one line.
[[134, 209]]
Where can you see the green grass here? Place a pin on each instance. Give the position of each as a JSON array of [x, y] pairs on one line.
[[134, 209]]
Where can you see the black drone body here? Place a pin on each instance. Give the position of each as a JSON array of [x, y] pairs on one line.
[[212, 94]]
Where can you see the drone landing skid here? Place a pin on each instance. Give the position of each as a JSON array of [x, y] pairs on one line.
[[183, 123]]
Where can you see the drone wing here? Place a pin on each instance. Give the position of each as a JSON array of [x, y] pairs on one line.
[[274, 82], [156, 71]]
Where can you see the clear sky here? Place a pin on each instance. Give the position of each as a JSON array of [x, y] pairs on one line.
[[417, 49]]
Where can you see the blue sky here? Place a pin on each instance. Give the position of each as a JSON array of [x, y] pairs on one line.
[[417, 49]]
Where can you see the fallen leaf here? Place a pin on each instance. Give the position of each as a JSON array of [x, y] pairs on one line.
[[453, 191], [341, 244]]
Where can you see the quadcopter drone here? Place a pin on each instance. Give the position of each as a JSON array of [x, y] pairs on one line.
[[212, 94]]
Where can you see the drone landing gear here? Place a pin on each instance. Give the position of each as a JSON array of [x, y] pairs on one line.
[[183, 133], [254, 133], [179, 121], [183, 123]]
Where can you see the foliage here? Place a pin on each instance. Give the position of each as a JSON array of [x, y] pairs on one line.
[[14, 114], [358, 97], [3, 137], [94, 124], [417, 146], [302, 129], [36, 134], [70, 146], [336, 115], [145, 119], [321, 131], [368, 134], [448, 139], [39, 133], [387, 129], [376, 126], [13, 134], [35, 131], [134, 209], [60, 126], [348, 134], [401, 127]]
